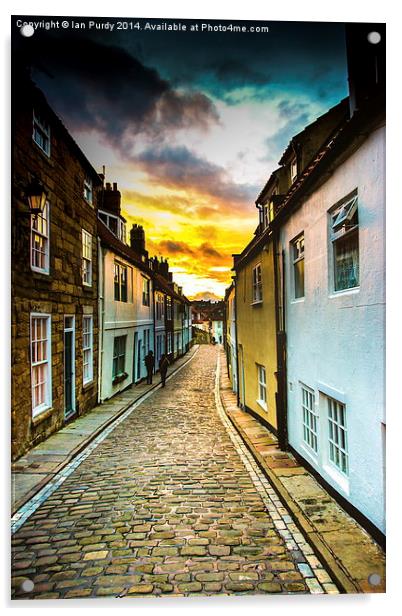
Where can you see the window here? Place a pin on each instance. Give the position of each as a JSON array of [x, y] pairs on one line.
[[120, 282], [297, 248], [145, 291], [41, 132], [40, 363], [86, 258], [159, 307], [293, 170], [169, 308], [119, 355], [310, 419], [88, 194], [116, 225], [257, 284], [40, 241], [87, 349], [345, 243], [262, 386], [337, 435]]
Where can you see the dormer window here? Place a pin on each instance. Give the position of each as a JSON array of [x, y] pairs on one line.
[[115, 224], [88, 191], [293, 169], [41, 132]]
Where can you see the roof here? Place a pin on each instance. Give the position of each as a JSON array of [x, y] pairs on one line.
[[351, 131], [29, 87], [109, 240]]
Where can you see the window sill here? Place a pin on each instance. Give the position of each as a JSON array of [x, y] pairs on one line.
[[87, 287], [257, 302], [36, 270], [351, 291], [119, 378], [88, 385], [263, 405], [341, 480], [42, 415], [297, 300]]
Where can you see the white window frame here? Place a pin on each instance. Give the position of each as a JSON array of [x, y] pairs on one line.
[[338, 454], [340, 227], [293, 169], [120, 268], [86, 258], [47, 403], [124, 337], [262, 386], [120, 225], [87, 349], [146, 291], [257, 284], [297, 256], [39, 127], [45, 237], [88, 190], [309, 420]]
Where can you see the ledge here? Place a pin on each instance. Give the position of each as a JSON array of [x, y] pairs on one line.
[[42, 416]]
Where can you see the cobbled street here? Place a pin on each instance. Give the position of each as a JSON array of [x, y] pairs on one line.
[[167, 503]]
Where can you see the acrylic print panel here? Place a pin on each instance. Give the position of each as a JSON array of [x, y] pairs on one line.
[[197, 311]]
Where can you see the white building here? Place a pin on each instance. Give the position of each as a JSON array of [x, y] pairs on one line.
[[125, 302], [333, 241]]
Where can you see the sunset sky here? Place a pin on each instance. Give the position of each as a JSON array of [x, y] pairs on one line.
[[191, 124]]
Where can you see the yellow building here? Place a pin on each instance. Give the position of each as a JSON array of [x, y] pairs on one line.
[[256, 329]]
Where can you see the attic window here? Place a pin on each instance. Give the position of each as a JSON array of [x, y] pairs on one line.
[[293, 169], [41, 132]]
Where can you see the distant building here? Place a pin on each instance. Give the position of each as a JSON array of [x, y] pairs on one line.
[[230, 335], [54, 277]]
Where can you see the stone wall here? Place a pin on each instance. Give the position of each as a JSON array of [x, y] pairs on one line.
[[61, 292]]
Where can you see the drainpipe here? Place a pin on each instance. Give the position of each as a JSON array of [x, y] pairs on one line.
[[281, 396], [101, 316]]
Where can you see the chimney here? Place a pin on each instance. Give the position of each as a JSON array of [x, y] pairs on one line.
[[137, 239], [111, 199]]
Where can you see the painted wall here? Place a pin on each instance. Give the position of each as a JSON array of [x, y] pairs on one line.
[[217, 330], [231, 338], [336, 340], [130, 319], [256, 335]]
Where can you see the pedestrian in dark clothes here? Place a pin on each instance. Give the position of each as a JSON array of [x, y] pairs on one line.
[[149, 362], [163, 366]]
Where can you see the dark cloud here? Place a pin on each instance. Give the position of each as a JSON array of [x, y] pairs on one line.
[[297, 116], [236, 73], [174, 248], [180, 167], [104, 88], [209, 251]]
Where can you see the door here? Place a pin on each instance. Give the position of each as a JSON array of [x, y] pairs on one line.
[[242, 395], [69, 362]]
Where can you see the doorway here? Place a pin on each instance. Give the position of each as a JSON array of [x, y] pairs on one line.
[[69, 366]]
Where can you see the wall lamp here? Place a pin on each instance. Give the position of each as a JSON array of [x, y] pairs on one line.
[[36, 196]]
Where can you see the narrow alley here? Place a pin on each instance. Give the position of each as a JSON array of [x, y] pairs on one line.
[[170, 501]]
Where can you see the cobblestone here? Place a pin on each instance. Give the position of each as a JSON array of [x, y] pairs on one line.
[[167, 501]]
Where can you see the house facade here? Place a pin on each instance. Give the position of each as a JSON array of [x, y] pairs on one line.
[[54, 277], [230, 335], [335, 315]]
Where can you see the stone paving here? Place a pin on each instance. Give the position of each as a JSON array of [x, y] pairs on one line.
[[167, 500]]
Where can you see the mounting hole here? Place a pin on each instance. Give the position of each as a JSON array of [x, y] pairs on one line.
[[374, 579], [27, 30], [374, 37], [27, 585]]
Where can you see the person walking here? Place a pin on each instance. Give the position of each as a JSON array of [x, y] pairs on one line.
[[163, 366], [149, 362]]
